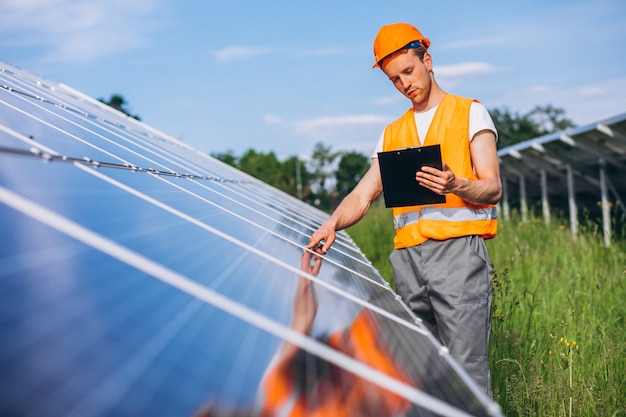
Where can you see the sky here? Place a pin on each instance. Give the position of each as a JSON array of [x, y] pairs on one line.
[[283, 76]]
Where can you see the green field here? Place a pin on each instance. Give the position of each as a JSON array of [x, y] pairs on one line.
[[558, 342]]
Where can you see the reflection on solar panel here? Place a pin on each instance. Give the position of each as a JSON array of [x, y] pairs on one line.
[[142, 277]]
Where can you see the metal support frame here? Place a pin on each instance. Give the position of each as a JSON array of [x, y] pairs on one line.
[[606, 212], [522, 194], [571, 197], [505, 199], [545, 206]]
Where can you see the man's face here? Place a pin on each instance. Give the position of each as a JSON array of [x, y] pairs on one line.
[[410, 76]]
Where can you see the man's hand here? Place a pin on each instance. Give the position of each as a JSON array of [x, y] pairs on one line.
[[440, 181], [485, 189], [322, 239]]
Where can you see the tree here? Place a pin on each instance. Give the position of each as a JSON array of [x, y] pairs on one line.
[[294, 178], [324, 185], [321, 164], [265, 167], [321, 168], [227, 157], [119, 103], [290, 176], [514, 128], [550, 119], [351, 169]]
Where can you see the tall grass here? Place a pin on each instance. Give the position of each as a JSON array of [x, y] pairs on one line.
[[558, 341]]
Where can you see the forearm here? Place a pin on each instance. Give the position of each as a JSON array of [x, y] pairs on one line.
[[350, 211], [485, 189], [480, 191]]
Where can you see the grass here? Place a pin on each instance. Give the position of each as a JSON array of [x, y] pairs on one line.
[[558, 342]]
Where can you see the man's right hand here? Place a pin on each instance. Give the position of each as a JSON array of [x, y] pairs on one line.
[[322, 239]]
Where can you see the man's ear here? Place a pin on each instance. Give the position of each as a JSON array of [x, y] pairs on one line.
[[428, 61]]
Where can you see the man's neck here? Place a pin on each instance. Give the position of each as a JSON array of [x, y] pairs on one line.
[[434, 98]]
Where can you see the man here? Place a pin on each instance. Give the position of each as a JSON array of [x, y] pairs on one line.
[[440, 262]]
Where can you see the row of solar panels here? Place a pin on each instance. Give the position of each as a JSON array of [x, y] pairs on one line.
[[568, 166], [142, 277]]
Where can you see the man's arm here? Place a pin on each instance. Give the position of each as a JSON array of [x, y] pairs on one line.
[[351, 210], [487, 189]]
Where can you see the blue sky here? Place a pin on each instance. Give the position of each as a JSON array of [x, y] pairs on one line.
[[284, 75]]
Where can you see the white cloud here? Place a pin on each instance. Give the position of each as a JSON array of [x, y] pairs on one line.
[[241, 52], [449, 76], [357, 133], [331, 126], [591, 91], [463, 70], [77, 30], [272, 119], [540, 89], [581, 104]]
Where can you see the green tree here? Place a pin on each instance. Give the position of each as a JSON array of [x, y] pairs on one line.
[[265, 167], [321, 171], [227, 157], [514, 127], [550, 119], [290, 176], [294, 178], [119, 103], [352, 167]]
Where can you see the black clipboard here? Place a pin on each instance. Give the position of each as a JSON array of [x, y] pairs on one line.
[[397, 170]]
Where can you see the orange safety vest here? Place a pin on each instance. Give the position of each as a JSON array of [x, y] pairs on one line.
[[456, 217]]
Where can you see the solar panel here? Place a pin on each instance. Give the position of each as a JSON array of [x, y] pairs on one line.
[[140, 276], [586, 149]]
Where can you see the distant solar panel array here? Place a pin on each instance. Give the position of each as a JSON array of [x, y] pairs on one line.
[[576, 171], [140, 276]]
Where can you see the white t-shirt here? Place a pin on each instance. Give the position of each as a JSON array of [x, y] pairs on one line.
[[479, 120]]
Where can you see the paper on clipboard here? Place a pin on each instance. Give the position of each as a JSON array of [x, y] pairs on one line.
[[397, 170]]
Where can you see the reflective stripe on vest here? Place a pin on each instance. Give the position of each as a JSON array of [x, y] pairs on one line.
[[462, 214]]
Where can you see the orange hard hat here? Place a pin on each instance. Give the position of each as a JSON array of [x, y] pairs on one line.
[[396, 36]]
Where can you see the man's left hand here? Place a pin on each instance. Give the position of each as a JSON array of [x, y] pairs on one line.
[[440, 181]]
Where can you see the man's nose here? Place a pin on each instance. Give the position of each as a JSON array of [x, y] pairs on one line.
[[406, 83]]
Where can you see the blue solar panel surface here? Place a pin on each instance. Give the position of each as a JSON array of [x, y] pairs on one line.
[[140, 276]]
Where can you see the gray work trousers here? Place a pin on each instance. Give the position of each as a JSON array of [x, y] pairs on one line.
[[447, 283]]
